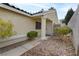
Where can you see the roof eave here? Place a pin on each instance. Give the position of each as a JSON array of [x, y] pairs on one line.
[[12, 9]]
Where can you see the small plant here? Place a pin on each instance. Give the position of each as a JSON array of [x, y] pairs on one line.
[[6, 29], [62, 32], [32, 34]]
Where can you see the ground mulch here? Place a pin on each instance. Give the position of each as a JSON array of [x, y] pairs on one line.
[[52, 47]]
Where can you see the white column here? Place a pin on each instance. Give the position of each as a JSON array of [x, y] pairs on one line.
[[43, 28]]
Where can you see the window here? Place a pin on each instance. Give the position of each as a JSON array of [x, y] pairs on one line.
[[38, 25]]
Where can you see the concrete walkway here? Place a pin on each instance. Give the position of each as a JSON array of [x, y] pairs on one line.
[[19, 48]]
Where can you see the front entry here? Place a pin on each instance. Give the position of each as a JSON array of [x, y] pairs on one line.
[[48, 28]]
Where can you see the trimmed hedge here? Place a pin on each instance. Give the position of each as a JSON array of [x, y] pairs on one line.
[[32, 34]]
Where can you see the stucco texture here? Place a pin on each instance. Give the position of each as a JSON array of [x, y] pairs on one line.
[[22, 24]]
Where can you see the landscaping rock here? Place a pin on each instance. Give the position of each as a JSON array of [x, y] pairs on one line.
[[52, 47]]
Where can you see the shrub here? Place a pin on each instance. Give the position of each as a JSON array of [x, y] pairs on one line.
[[32, 34], [62, 30], [5, 29]]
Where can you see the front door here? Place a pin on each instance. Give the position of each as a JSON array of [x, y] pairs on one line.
[[48, 28]]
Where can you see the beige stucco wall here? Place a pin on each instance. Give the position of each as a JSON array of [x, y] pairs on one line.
[[22, 24]]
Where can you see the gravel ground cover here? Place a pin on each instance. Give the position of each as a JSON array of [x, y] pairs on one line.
[[52, 47]]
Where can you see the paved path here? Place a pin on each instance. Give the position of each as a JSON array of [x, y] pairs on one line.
[[52, 47], [18, 48]]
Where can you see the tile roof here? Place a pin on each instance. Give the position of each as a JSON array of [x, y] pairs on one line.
[[24, 10]]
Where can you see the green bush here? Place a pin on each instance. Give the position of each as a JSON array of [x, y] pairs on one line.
[[6, 29], [32, 34], [62, 30]]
